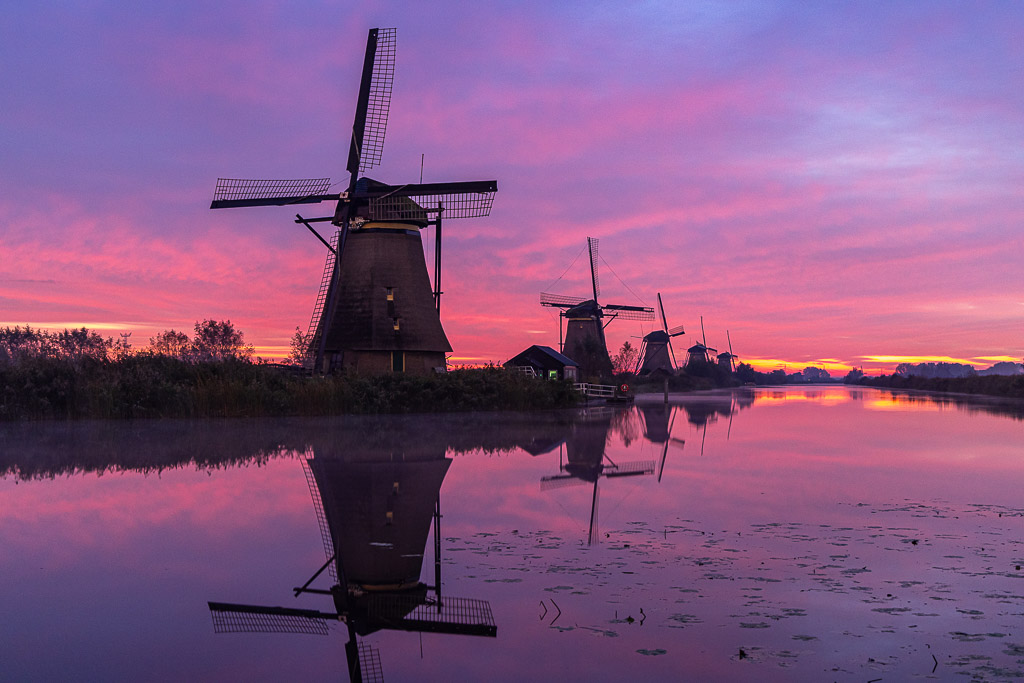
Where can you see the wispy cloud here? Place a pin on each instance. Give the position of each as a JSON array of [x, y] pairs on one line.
[[832, 184]]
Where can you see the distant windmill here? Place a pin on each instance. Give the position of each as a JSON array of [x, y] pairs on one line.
[[375, 514], [699, 354], [587, 463], [728, 359], [375, 311], [656, 353], [585, 322]]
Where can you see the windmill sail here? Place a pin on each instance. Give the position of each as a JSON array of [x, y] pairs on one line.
[[459, 199], [237, 192], [232, 618], [373, 102], [378, 101]]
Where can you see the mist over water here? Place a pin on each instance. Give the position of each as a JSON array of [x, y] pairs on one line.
[[815, 533]]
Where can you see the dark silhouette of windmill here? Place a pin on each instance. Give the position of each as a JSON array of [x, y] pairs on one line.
[[699, 355], [375, 511], [375, 311], [727, 359], [585, 322], [587, 463], [656, 353]]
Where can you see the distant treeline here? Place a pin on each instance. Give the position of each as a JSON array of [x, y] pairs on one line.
[[1010, 386], [79, 374], [714, 376]]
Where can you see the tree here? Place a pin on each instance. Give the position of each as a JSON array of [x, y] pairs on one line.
[[300, 347], [746, 373], [18, 344], [214, 340], [79, 345], [171, 343], [218, 340], [812, 374], [625, 359]]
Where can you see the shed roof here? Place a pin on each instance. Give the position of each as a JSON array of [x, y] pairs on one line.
[[545, 351]]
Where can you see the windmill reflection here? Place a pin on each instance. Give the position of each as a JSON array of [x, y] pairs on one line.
[[658, 421], [375, 509], [710, 408], [586, 461]]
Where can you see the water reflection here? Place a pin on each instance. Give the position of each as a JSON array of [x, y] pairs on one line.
[[375, 505], [818, 520], [44, 450], [586, 461]]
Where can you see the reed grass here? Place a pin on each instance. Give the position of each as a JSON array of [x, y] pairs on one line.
[[156, 386]]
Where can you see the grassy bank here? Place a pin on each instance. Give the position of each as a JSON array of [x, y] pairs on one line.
[[1007, 386], [149, 385]]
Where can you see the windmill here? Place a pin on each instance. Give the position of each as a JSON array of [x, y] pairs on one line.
[[656, 353], [375, 513], [699, 355], [375, 311], [727, 359], [588, 462], [585, 323]]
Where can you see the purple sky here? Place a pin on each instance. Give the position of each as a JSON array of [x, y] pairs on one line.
[[834, 183]]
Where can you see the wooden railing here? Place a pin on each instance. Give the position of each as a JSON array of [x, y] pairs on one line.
[[595, 390]]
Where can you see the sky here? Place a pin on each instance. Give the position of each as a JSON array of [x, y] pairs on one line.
[[833, 184]]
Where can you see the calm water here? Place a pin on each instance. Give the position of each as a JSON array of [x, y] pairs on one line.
[[802, 534]]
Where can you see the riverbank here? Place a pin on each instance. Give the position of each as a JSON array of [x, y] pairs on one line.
[[1004, 386], [155, 386]]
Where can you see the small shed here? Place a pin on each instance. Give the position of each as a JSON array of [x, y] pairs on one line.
[[544, 361]]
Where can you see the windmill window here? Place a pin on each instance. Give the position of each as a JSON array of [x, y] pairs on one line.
[[396, 324], [397, 361], [391, 293]]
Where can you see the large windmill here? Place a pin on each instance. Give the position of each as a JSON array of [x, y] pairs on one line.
[[376, 311], [656, 354], [375, 512], [585, 322]]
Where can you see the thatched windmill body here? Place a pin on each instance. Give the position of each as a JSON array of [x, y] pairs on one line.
[[376, 310], [585, 320], [656, 353]]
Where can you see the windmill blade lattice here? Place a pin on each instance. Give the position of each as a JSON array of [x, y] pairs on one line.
[[630, 312], [464, 616], [369, 663], [559, 300], [240, 192], [231, 618], [460, 200], [630, 469], [560, 481], [379, 103]]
